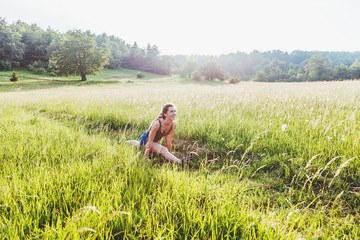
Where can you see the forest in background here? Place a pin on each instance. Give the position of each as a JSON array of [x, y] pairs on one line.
[[28, 46]]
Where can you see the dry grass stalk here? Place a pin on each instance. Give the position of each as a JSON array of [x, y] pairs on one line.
[[89, 208], [233, 151], [83, 229], [311, 160], [252, 144], [338, 171], [329, 163], [258, 170]]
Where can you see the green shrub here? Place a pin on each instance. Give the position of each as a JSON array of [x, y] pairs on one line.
[[5, 65], [37, 67], [52, 70], [14, 78], [140, 75]]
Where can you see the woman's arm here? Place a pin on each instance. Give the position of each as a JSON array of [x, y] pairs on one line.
[[154, 128], [169, 138]]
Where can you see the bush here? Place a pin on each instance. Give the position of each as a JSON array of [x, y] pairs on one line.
[[53, 74], [234, 80], [14, 78], [37, 67], [5, 65], [52, 70], [261, 76], [211, 71], [196, 75], [140, 75]]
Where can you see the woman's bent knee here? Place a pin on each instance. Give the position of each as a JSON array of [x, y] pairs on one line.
[[164, 150]]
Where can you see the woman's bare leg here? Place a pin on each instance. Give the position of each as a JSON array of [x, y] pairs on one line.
[[163, 151]]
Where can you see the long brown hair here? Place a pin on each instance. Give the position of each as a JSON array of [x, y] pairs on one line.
[[165, 109]]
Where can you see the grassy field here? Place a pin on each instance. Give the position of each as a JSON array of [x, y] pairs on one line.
[[275, 160], [30, 81]]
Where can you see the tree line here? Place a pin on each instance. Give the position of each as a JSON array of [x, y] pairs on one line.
[[272, 66], [81, 53], [72, 53]]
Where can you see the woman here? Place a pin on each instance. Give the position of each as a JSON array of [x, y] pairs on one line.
[[163, 126]]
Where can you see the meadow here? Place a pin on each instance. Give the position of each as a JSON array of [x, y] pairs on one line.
[[273, 160]]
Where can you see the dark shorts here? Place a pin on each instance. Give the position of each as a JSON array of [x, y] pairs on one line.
[[143, 139]]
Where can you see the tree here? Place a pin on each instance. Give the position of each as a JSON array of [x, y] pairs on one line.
[[152, 51], [78, 55], [318, 68], [355, 70], [188, 68], [275, 70], [117, 49], [341, 72], [292, 75], [135, 59], [11, 48], [196, 75], [36, 42], [151, 60], [261, 76], [211, 71]]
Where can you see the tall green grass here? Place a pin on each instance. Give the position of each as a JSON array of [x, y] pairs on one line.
[[276, 161]]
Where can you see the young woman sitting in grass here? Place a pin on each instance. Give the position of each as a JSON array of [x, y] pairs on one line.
[[163, 126]]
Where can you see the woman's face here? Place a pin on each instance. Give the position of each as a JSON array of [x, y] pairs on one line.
[[171, 113]]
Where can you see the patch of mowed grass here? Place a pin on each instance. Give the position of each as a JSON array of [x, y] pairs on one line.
[[105, 74], [30, 81], [252, 179]]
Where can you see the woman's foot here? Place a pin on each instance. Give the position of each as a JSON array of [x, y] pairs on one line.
[[185, 161]]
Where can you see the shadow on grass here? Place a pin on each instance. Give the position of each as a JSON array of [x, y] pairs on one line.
[[185, 81]]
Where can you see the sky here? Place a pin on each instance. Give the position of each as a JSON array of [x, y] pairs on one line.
[[202, 27]]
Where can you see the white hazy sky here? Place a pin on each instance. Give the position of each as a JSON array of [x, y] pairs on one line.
[[203, 26]]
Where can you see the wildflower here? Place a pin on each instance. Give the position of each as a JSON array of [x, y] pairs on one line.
[[283, 127], [329, 138]]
